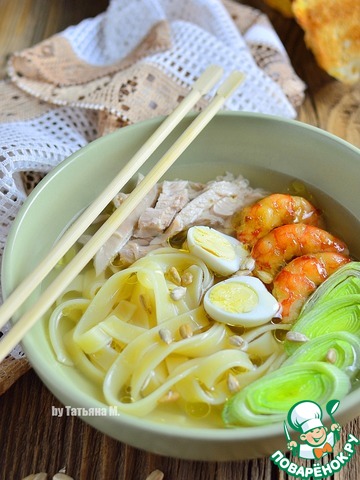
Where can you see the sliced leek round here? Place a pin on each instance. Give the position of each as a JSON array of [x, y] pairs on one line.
[[341, 349], [345, 281], [268, 399], [337, 315]]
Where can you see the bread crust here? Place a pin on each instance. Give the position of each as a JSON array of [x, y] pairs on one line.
[[332, 32]]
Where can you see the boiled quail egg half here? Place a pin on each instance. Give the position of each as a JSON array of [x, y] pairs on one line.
[[221, 253], [241, 300]]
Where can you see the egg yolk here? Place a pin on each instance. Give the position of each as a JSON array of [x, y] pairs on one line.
[[234, 297], [214, 243]]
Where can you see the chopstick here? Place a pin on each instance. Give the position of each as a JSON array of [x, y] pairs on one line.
[[202, 85], [73, 268]]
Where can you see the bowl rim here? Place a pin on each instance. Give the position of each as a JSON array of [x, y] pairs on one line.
[[77, 396]]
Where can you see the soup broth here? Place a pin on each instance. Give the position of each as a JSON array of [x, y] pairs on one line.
[[339, 221]]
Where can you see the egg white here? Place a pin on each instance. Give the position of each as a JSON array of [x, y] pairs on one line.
[[222, 253], [221, 303]]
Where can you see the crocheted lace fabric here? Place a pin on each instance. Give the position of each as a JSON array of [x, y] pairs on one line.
[[135, 61]]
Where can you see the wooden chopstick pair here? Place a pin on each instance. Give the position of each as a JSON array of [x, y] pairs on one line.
[[202, 86]]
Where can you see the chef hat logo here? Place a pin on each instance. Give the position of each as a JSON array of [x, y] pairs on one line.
[[305, 416]]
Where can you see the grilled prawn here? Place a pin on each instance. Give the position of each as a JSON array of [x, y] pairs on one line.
[[255, 221], [278, 247], [299, 279]]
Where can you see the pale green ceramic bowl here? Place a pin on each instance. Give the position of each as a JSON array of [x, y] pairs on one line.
[[270, 151]]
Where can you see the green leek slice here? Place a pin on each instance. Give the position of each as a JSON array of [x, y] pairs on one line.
[[269, 399], [345, 281], [345, 353], [337, 315]]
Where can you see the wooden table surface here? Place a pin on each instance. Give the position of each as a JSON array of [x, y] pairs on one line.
[[31, 440]]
